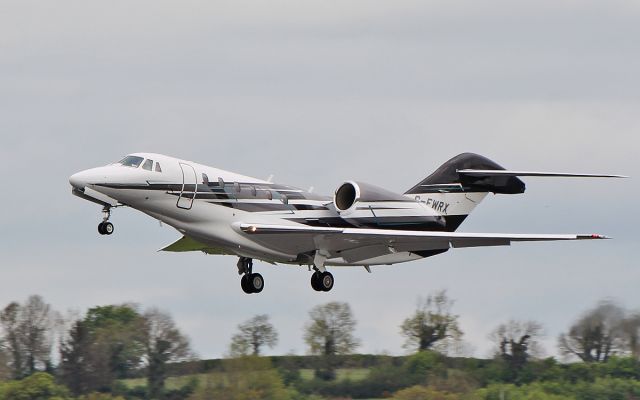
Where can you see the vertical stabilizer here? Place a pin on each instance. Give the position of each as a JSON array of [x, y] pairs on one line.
[[455, 195]]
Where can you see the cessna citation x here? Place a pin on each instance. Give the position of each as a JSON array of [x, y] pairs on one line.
[[221, 212]]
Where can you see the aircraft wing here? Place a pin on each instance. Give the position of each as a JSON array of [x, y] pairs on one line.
[[348, 240]]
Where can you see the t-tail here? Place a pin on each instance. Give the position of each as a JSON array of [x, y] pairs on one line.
[[461, 183]]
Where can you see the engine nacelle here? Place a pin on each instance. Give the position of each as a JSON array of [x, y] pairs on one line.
[[362, 204]]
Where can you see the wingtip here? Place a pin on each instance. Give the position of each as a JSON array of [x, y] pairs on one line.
[[594, 236], [617, 176]]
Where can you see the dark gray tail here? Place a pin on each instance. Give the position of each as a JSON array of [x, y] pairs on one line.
[[446, 178]]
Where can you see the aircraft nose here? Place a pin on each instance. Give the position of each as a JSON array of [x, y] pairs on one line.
[[87, 177], [78, 180]]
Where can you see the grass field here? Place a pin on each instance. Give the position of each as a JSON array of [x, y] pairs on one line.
[[176, 382], [353, 374]]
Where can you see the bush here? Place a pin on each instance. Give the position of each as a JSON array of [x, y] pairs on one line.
[[422, 393], [37, 386], [246, 378], [100, 396], [622, 367]]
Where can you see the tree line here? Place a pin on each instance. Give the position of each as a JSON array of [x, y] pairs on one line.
[[95, 351], [599, 333]]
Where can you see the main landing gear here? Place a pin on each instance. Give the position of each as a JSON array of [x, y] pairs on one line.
[[105, 227], [322, 281], [250, 282]]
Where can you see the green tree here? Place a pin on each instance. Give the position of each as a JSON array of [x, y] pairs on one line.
[[253, 335], [330, 333], [28, 334], [433, 325], [119, 329], [164, 343], [107, 344], [77, 366]]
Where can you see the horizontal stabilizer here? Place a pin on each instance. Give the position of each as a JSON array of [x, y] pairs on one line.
[[491, 172]]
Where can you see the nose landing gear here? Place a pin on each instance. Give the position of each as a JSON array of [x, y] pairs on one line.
[[250, 282], [105, 227]]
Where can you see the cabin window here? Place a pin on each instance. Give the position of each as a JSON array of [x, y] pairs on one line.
[[205, 179], [158, 169], [131, 161], [148, 165]]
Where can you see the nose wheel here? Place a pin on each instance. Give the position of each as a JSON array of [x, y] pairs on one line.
[[250, 282], [105, 227]]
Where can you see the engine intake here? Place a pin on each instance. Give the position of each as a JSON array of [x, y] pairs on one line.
[[350, 193], [346, 196]]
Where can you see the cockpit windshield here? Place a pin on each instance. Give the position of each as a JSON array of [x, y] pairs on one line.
[[131, 161]]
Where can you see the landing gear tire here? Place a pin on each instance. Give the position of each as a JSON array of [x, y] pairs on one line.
[[244, 283], [252, 283], [105, 228], [108, 228], [315, 281], [322, 281], [326, 281], [256, 283]]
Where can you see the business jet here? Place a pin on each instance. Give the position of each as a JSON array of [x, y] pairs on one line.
[[221, 212]]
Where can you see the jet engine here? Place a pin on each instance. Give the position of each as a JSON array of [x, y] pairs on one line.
[[363, 205]]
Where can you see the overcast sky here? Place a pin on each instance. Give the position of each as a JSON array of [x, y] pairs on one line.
[[315, 93]]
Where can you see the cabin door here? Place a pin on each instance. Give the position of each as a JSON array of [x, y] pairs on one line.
[[189, 187]]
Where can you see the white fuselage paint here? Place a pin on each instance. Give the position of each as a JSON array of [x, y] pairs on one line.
[[450, 203], [213, 222]]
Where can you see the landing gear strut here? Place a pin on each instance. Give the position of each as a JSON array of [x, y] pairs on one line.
[[250, 282], [105, 227]]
